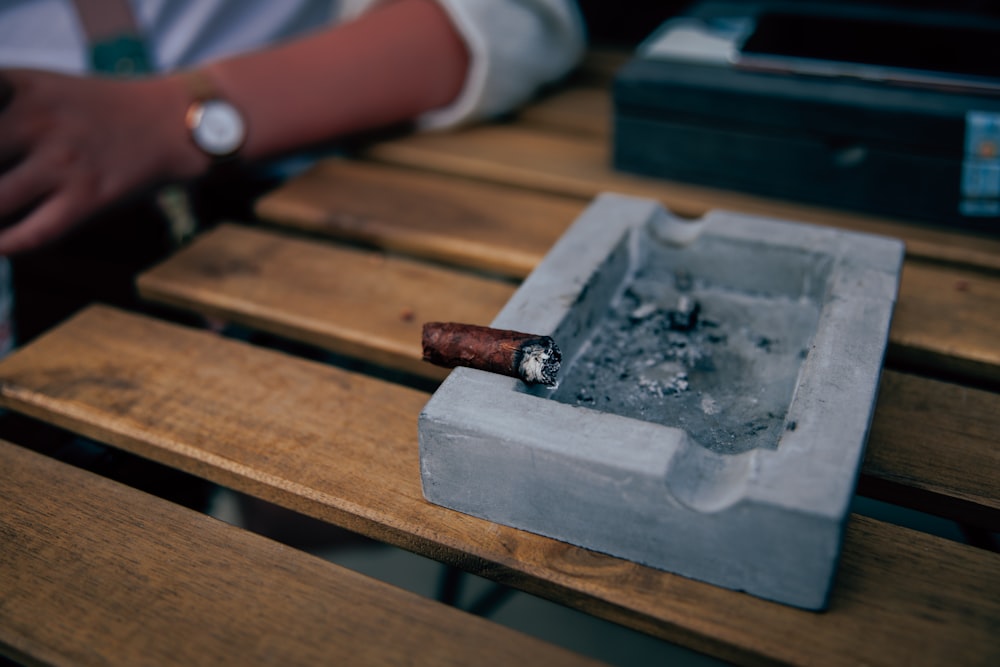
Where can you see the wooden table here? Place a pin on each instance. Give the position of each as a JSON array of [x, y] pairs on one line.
[[353, 255]]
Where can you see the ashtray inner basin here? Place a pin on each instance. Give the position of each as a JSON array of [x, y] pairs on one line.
[[709, 338]]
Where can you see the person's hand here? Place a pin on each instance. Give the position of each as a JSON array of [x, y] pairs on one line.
[[70, 146]]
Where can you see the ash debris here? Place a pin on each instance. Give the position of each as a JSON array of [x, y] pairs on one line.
[[654, 337], [719, 363]]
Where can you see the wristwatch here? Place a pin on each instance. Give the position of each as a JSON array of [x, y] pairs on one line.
[[217, 127]]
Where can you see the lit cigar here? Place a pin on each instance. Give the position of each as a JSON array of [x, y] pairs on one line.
[[531, 358]]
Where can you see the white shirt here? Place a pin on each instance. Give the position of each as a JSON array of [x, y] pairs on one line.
[[516, 46]]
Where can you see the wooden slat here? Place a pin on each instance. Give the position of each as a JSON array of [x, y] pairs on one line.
[[343, 448], [93, 572], [933, 446], [575, 110], [948, 320], [353, 302], [478, 225], [951, 458], [541, 160]]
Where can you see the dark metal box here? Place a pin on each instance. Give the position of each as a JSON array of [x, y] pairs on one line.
[[691, 107]]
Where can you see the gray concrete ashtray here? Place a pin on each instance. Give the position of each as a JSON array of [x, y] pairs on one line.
[[718, 382]]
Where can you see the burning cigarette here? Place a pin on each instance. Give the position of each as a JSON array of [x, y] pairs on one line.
[[529, 357]]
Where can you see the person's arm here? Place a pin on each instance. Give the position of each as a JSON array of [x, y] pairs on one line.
[[387, 66], [70, 146]]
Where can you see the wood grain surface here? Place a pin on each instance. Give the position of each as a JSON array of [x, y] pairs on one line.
[[933, 446], [359, 303], [342, 448], [947, 320], [537, 159], [373, 307], [487, 227], [584, 110], [96, 573]]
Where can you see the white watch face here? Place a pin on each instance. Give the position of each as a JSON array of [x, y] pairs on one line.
[[217, 127]]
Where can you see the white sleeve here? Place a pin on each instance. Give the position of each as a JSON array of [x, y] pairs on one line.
[[515, 47]]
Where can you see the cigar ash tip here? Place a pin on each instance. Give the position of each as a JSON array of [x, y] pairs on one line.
[[538, 361]]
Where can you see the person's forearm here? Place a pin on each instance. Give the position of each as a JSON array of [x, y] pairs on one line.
[[385, 67]]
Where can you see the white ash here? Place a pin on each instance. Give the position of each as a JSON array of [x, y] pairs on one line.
[[664, 379], [539, 364]]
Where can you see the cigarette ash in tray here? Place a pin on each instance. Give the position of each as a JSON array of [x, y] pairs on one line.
[[680, 351], [718, 379]]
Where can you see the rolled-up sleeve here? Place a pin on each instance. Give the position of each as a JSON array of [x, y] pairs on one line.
[[515, 47]]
